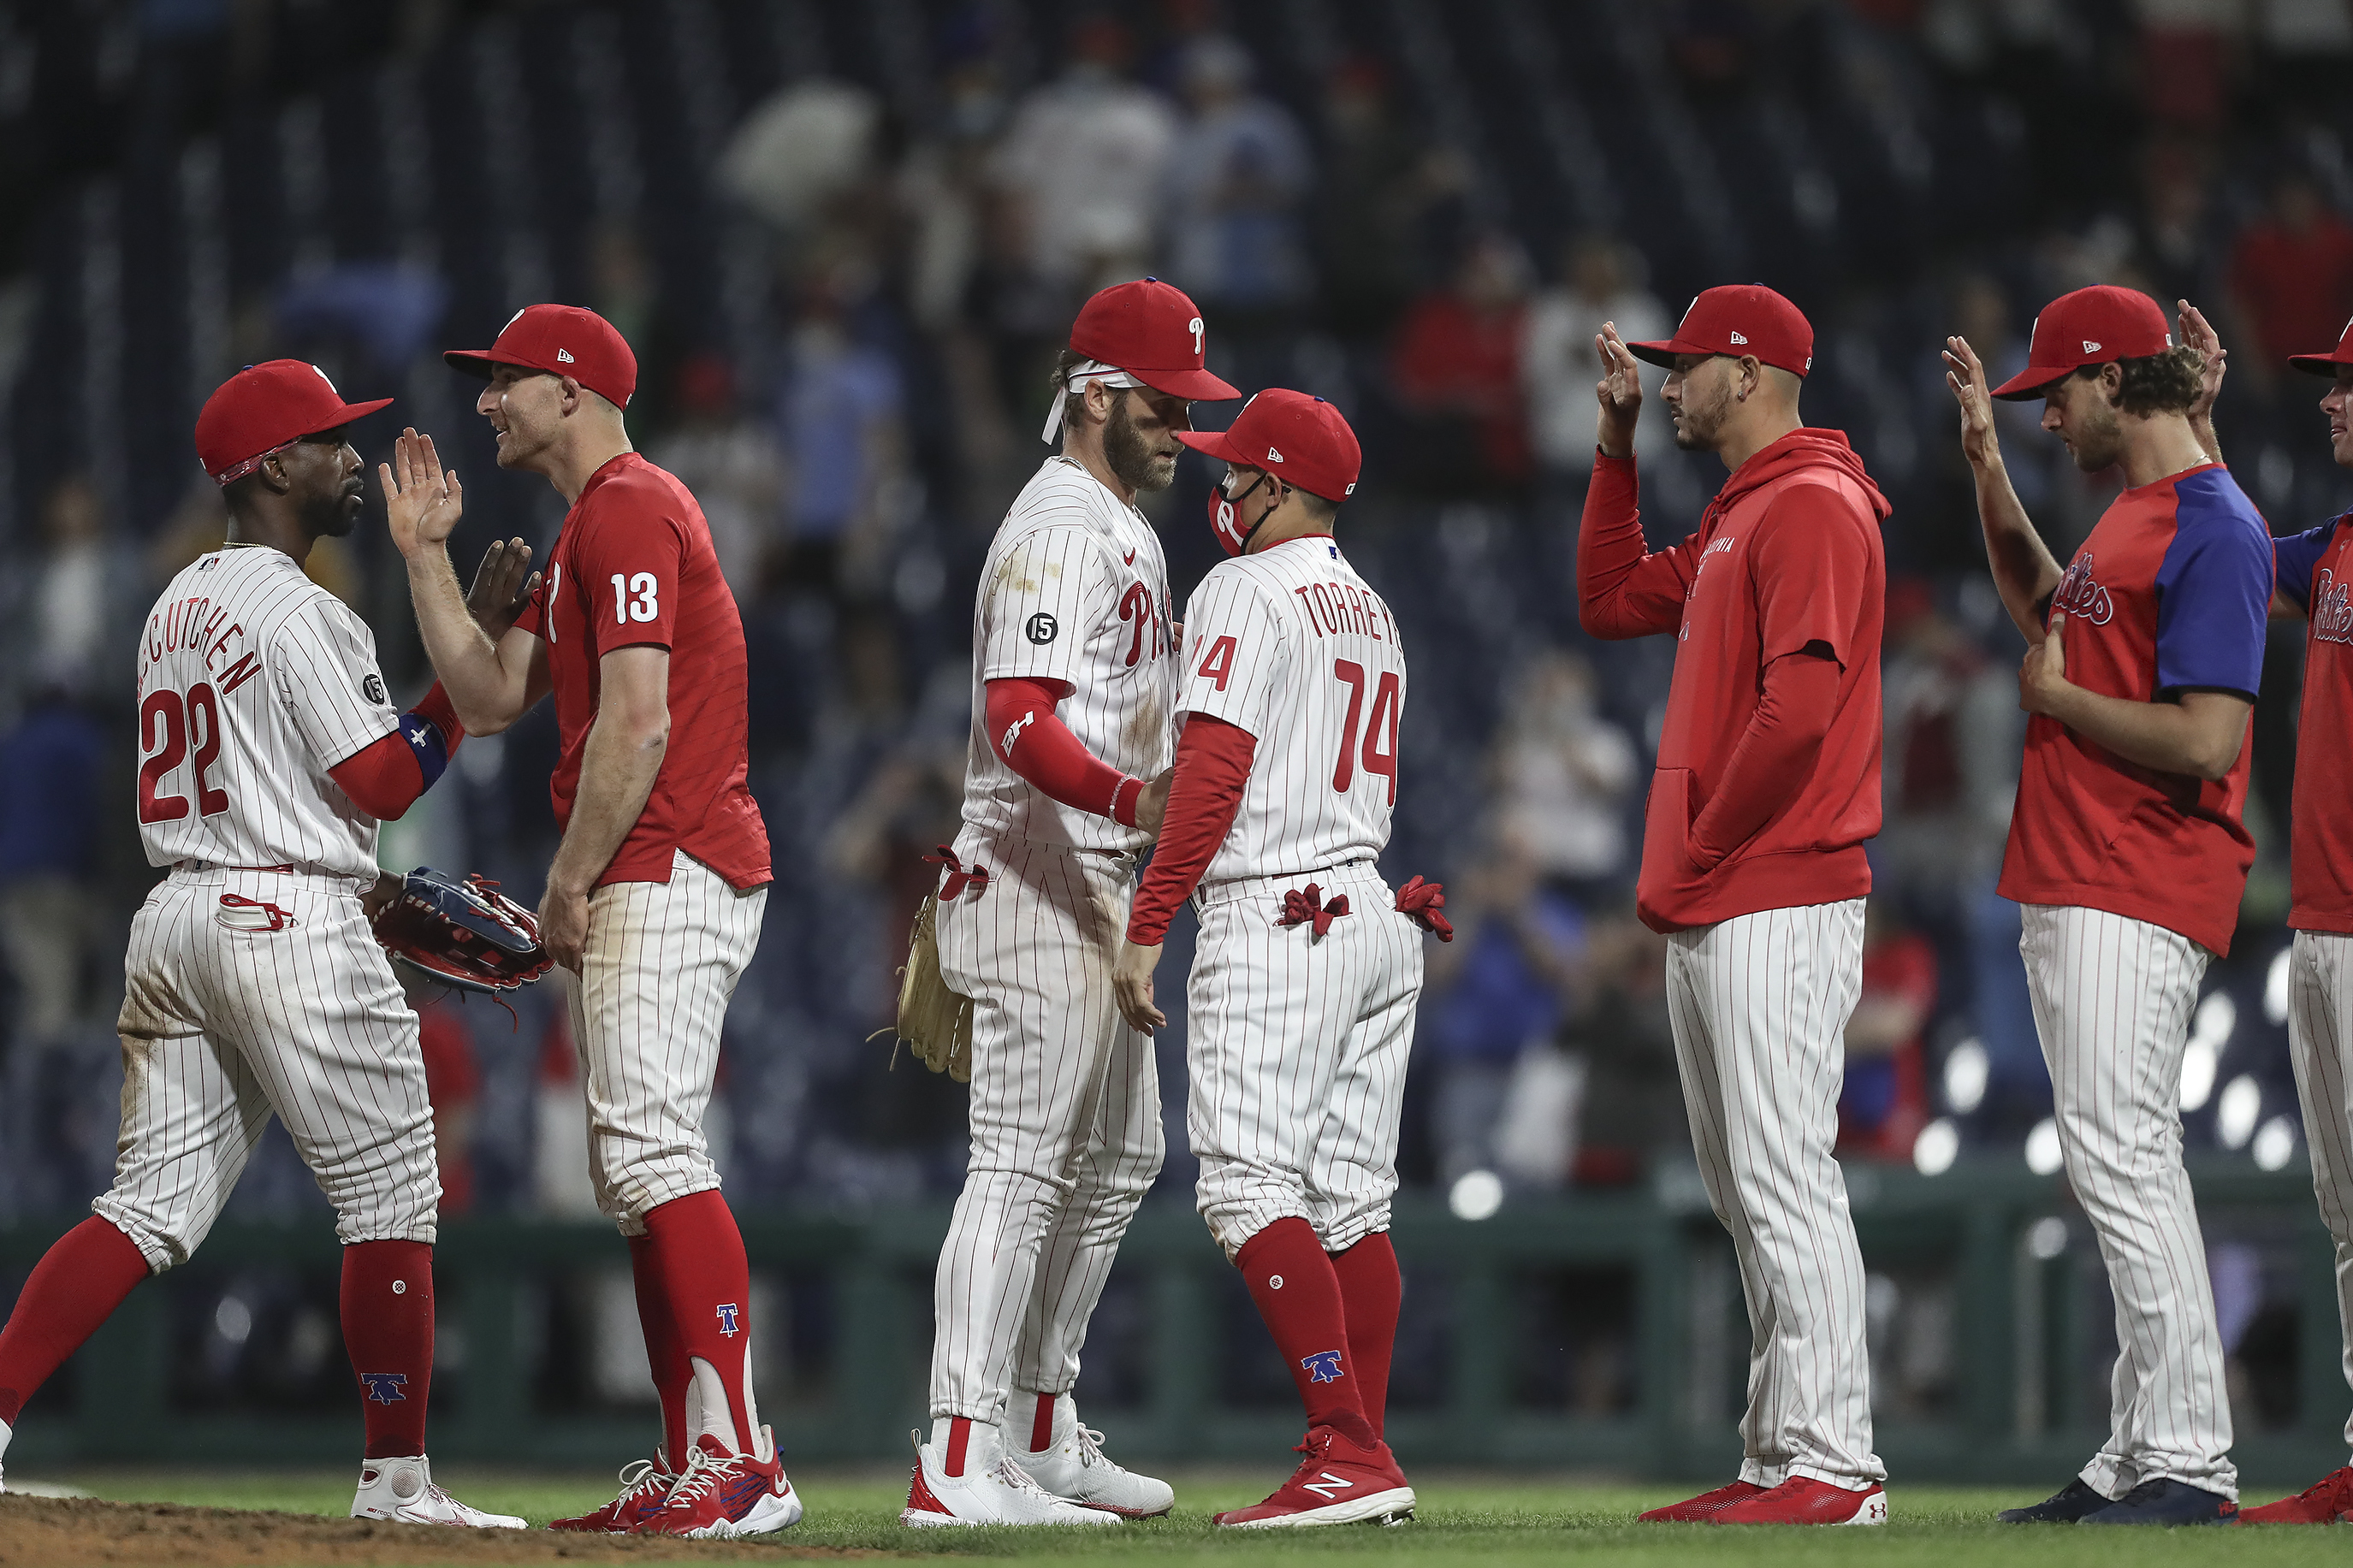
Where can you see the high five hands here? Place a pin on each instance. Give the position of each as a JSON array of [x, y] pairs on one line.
[[421, 503], [1963, 373], [1619, 392]]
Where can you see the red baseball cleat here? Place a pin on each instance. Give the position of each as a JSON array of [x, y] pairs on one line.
[[645, 1486], [1802, 1500], [1701, 1506], [1336, 1483], [722, 1496], [2325, 1502]]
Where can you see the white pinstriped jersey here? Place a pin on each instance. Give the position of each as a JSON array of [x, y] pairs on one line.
[[253, 681], [1075, 591], [1290, 645]]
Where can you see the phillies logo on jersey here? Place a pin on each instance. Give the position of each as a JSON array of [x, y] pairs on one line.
[[728, 1326], [2079, 593], [2332, 608], [385, 1387], [1324, 1366]]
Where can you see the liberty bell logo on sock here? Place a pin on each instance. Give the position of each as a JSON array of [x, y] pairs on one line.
[[728, 1326], [1324, 1366], [383, 1387]]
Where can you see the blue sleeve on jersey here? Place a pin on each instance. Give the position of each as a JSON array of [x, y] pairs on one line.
[[426, 744], [2213, 590], [2294, 557]]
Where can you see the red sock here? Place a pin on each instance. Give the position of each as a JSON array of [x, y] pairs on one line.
[[700, 1255], [1291, 1278], [1041, 1424], [664, 1354], [1370, 1292], [387, 1305], [76, 1286]]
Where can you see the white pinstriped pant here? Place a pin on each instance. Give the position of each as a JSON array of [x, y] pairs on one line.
[[1759, 1004], [2320, 1040], [2112, 998], [1065, 1120], [220, 1027], [1296, 1056], [662, 961]]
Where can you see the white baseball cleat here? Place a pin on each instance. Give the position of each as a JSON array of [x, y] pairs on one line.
[[6, 1432], [402, 1491], [1073, 1467], [988, 1488]]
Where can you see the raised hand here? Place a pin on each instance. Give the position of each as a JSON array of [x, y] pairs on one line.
[[421, 503], [2198, 334], [504, 584], [1980, 443], [1619, 392]]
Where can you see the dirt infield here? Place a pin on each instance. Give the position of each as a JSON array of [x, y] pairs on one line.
[[70, 1533]]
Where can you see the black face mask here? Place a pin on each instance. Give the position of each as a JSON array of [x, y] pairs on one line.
[[1225, 520]]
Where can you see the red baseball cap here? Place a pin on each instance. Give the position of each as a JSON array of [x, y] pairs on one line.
[[264, 407], [1299, 439], [562, 339], [2090, 326], [1154, 333], [1738, 319], [2326, 364]]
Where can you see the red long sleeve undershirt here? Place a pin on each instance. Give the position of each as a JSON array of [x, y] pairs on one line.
[[1213, 764], [385, 779], [1778, 748], [1030, 738]]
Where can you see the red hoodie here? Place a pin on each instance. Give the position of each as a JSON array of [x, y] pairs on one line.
[[1788, 556]]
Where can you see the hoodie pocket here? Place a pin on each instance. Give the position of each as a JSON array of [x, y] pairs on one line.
[[1666, 830]]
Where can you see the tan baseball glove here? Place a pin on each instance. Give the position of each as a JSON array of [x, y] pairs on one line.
[[934, 1021]]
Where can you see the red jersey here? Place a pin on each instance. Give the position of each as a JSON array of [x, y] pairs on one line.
[[2314, 570], [1788, 554], [2170, 594], [633, 567]]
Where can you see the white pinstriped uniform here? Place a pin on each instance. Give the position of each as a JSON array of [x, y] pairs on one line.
[[2320, 1042], [2112, 999], [1298, 1043], [254, 681], [1759, 1004], [657, 975], [1065, 1108]]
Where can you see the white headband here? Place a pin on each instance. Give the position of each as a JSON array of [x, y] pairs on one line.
[[1110, 375]]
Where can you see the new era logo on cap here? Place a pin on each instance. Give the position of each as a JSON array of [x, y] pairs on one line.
[[1738, 338], [2090, 347], [563, 356], [1273, 456]]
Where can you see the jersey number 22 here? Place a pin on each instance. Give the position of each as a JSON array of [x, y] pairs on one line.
[[166, 720]]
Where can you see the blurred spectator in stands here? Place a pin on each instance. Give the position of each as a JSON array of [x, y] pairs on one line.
[[1884, 1102], [730, 462], [1632, 1106], [1497, 990], [1088, 157], [1601, 280], [841, 419], [799, 148], [1237, 179], [1950, 742], [2291, 279], [77, 593], [1382, 185], [624, 289], [1456, 372], [54, 799], [453, 1083], [1562, 775], [2173, 244]]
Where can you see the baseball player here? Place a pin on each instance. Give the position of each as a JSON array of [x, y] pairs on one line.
[[1303, 985], [2312, 577], [269, 752], [1767, 785], [656, 893], [1073, 681], [2125, 850]]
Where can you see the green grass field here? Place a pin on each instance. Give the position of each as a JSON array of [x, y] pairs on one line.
[[1464, 1518]]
